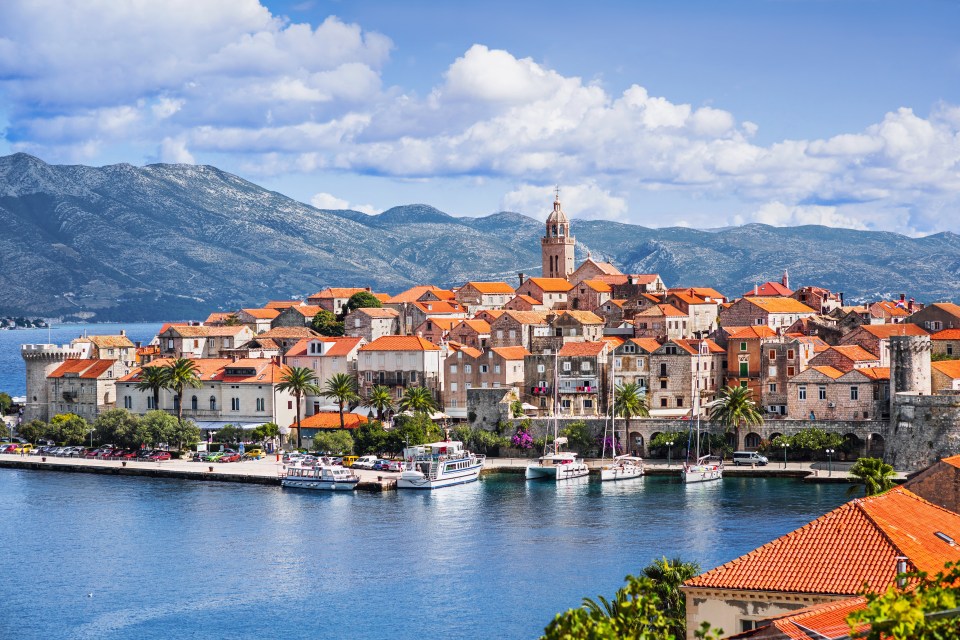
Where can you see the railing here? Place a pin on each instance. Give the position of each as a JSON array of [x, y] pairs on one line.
[[540, 391]]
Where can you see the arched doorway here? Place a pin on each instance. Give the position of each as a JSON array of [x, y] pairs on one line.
[[775, 435], [852, 447], [636, 444], [751, 441], [875, 446]]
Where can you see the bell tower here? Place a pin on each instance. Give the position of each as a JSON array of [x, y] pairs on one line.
[[557, 244]]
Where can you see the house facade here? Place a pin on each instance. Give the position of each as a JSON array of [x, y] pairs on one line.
[[399, 362]]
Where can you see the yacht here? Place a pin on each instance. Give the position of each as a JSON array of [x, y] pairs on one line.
[[622, 468], [325, 477], [559, 465], [706, 468], [438, 464]]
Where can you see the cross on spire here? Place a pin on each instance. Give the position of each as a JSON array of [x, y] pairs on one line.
[[557, 191]]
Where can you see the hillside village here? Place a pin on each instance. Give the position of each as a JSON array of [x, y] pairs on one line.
[[558, 343]]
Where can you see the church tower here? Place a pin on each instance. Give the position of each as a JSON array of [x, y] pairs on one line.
[[557, 244]]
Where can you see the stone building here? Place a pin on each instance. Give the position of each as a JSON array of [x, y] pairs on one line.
[[845, 358], [467, 368], [557, 245], [776, 313], [518, 328], [679, 372], [476, 296], [819, 299], [551, 292], [946, 343], [589, 295], [525, 303], [335, 299], [471, 333], [745, 347], [875, 338], [326, 357], [371, 324], [781, 361], [826, 393], [399, 362], [85, 387], [701, 311], [287, 337], [661, 321], [591, 269], [937, 317], [300, 315], [192, 341], [259, 320], [612, 313], [583, 378], [436, 330], [632, 363], [945, 376]]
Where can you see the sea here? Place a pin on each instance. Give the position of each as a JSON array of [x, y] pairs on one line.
[[12, 371], [92, 557]]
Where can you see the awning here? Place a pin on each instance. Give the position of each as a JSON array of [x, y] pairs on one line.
[[459, 412], [529, 407], [220, 424]]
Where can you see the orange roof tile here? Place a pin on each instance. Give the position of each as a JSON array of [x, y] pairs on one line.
[[779, 305], [769, 289], [875, 373], [666, 310], [83, 368], [891, 308], [511, 353], [289, 333], [490, 287], [949, 307], [219, 316], [524, 317], [479, 326], [306, 310], [266, 371], [194, 331], [337, 292], [470, 351], [444, 324], [338, 347], [330, 420], [411, 295], [855, 544], [752, 332], [108, 342], [647, 344], [261, 314], [551, 284], [953, 461], [854, 352], [400, 343], [440, 307], [583, 317], [886, 330], [377, 312], [528, 299], [830, 372], [826, 620], [946, 334], [382, 297], [571, 349], [491, 313], [598, 285], [282, 304], [949, 368], [702, 292], [613, 341]]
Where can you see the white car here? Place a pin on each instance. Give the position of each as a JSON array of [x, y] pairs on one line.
[[365, 462]]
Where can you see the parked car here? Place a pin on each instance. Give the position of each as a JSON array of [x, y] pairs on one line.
[[256, 453], [160, 455], [380, 465], [8, 448], [233, 456], [365, 462], [74, 452], [292, 456], [393, 465]]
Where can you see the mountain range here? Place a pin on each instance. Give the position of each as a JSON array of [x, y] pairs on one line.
[[165, 242]]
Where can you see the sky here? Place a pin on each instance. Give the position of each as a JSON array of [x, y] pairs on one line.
[[698, 113]]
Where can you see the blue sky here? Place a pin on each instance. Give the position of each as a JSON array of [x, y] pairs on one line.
[[704, 114]]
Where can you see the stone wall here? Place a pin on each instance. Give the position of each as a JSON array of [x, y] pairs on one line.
[[490, 407], [923, 429]]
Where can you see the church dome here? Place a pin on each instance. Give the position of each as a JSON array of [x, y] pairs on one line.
[[557, 216]]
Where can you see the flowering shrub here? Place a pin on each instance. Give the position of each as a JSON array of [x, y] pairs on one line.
[[521, 439], [611, 444]]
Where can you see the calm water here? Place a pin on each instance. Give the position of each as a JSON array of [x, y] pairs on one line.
[[12, 374], [496, 558]]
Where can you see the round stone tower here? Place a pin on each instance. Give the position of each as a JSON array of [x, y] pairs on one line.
[[910, 365], [40, 361]]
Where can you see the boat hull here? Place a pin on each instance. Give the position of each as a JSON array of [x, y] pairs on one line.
[[701, 474], [417, 480], [320, 485], [557, 472], [625, 473]]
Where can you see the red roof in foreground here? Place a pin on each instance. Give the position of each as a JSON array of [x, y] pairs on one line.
[[855, 544], [87, 368], [329, 420], [826, 620]]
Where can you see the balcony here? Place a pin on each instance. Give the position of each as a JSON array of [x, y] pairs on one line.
[[540, 391], [579, 389]]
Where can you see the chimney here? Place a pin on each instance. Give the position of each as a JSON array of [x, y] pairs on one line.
[[123, 332], [841, 298], [756, 289], [903, 297], [137, 344], [910, 305], [785, 281], [520, 275], [366, 288]]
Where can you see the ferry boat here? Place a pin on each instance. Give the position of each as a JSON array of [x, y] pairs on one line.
[[438, 464], [622, 468], [328, 478]]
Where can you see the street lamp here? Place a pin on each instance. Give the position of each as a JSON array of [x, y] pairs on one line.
[[669, 452], [785, 445], [830, 462]]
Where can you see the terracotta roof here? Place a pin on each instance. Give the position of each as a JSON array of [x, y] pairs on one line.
[[854, 352], [946, 334], [193, 331], [470, 351], [444, 324], [551, 284], [282, 304], [107, 342], [261, 343], [830, 372], [583, 317], [341, 346], [337, 292], [443, 294], [528, 299], [219, 316], [598, 285], [618, 278], [480, 326], [525, 317], [613, 341], [712, 346], [330, 420], [582, 349], [306, 310], [492, 313], [440, 307], [779, 305], [839, 552], [606, 267], [618, 301], [953, 461], [891, 308], [382, 297], [86, 368], [377, 312], [949, 368], [400, 343], [949, 307], [266, 371], [666, 310], [875, 373], [689, 298], [289, 333], [647, 344], [490, 287], [769, 289], [886, 330], [411, 295], [826, 620], [261, 314], [511, 353], [752, 332], [702, 292]]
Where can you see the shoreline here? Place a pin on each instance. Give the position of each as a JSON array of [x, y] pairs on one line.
[[267, 471]]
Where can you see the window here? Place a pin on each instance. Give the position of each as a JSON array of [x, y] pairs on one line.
[[484, 368], [772, 387], [468, 368], [127, 402], [821, 392], [663, 383], [790, 372], [744, 369], [453, 387], [802, 392], [541, 368], [789, 354], [567, 366], [679, 401], [663, 369], [759, 321], [368, 376], [356, 322], [213, 403], [261, 404], [585, 365], [588, 404], [193, 403], [499, 333], [453, 368], [854, 392], [496, 368], [413, 376], [289, 404], [150, 403], [772, 354], [663, 402], [565, 404], [235, 404], [743, 346], [949, 348]]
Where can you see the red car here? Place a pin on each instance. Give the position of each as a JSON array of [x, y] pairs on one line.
[[230, 457], [159, 455]]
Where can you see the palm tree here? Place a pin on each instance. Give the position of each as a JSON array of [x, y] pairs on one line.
[[341, 387], [667, 576], [180, 374], [875, 474], [299, 381], [381, 400], [417, 400], [735, 408], [630, 401], [153, 379]]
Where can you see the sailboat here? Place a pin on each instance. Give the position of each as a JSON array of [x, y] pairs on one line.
[[622, 467], [707, 467], [559, 465]]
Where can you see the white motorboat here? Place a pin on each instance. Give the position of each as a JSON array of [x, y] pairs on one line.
[[707, 467], [622, 468], [328, 478], [438, 464], [559, 465]]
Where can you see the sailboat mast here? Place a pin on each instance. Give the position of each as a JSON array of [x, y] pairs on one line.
[[696, 391], [556, 402]]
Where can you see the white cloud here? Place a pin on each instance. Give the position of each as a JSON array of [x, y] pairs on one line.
[[585, 200], [174, 151], [330, 201]]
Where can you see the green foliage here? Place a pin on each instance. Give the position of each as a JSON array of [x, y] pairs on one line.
[[913, 614], [338, 442], [635, 613], [68, 428], [33, 431], [5, 402], [417, 400], [265, 432], [181, 373], [326, 324], [362, 300], [300, 381], [380, 399], [412, 430], [875, 474], [229, 434], [118, 427], [629, 401], [158, 427], [579, 437], [516, 409], [480, 440], [667, 576], [342, 388], [185, 434], [735, 409], [678, 438], [939, 357], [370, 438], [153, 379], [812, 442]]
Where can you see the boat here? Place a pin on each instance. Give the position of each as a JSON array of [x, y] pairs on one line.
[[623, 467], [438, 464], [706, 468], [325, 477], [559, 465]]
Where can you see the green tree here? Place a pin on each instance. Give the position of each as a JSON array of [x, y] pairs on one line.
[[153, 379], [5, 402], [811, 442], [480, 440], [326, 324], [118, 427], [875, 474], [410, 430], [181, 373], [925, 610], [735, 408], [516, 409], [159, 427], [678, 438], [185, 433], [341, 387], [362, 300], [33, 431], [232, 321], [229, 434], [380, 399], [667, 577], [417, 400], [68, 428], [629, 401], [370, 438], [578, 436], [337, 442], [635, 613], [300, 382], [265, 432]]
